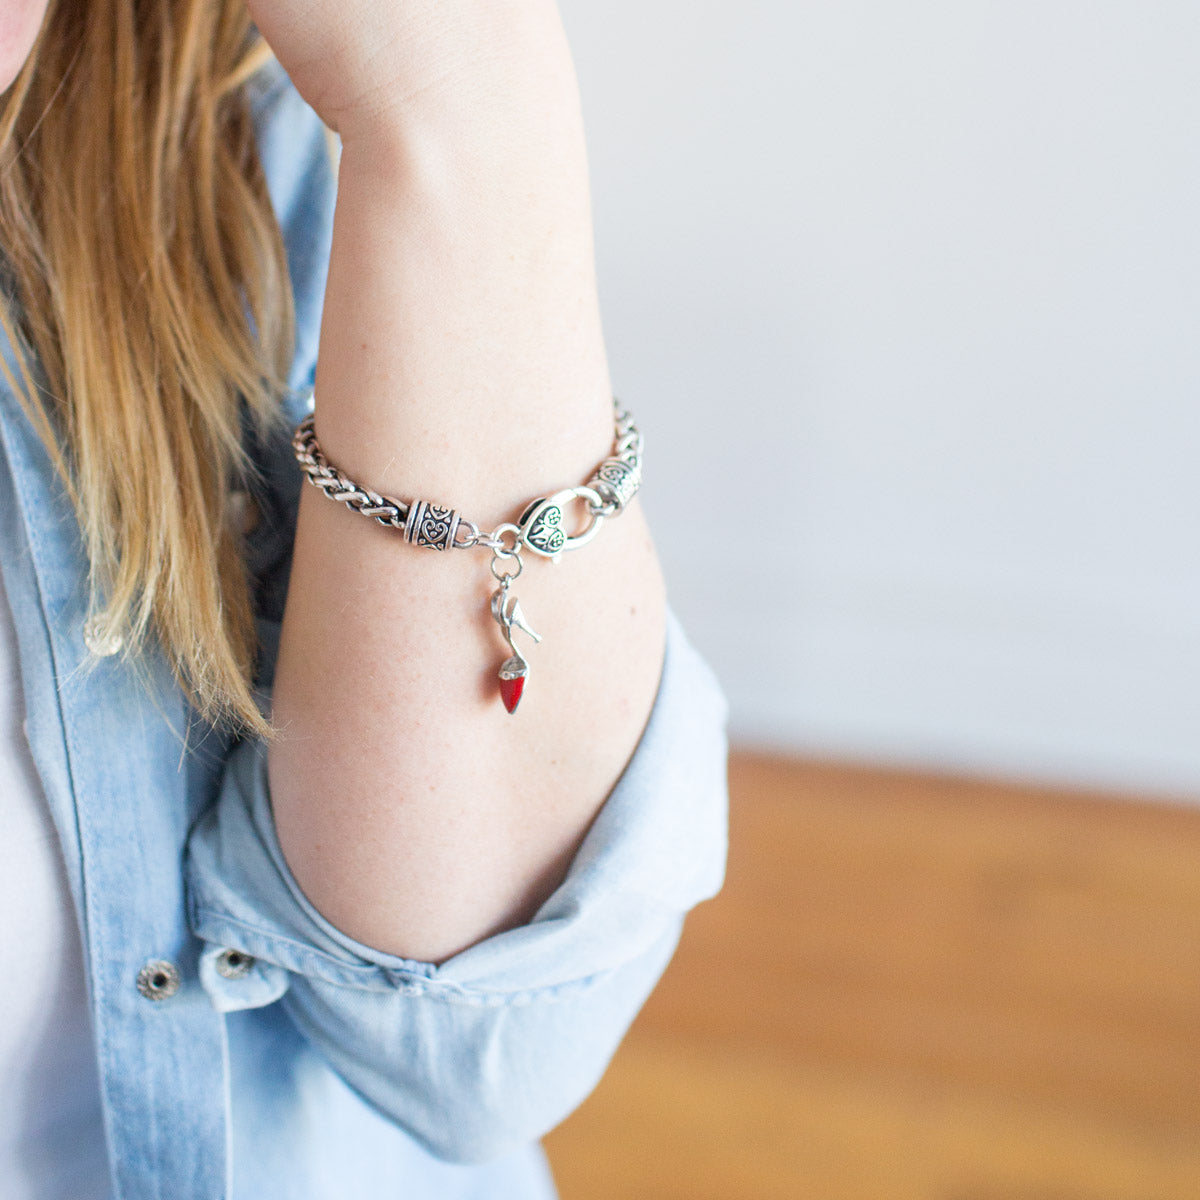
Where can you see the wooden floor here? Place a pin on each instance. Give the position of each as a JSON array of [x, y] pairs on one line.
[[916, 988]]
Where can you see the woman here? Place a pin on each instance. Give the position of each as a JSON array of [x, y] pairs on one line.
[[296, 906]]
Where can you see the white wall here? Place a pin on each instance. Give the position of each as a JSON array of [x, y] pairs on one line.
[[906, 299]]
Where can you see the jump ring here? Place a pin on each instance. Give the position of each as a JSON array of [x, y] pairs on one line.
[[505, 576], [472, 532], [497, 540]]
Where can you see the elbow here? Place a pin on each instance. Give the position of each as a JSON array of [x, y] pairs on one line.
[[473, 1121], [486, 1100], [473, 1076], [471, 1138]]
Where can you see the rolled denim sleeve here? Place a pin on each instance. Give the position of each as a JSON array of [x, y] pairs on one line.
[[496, 1045]]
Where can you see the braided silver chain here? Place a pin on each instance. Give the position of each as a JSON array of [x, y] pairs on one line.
[[614, 484], [337, 486]]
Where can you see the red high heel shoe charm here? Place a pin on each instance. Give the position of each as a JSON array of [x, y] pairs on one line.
[[514, 670]]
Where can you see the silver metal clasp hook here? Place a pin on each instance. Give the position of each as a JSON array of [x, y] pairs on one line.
[[541, 522]]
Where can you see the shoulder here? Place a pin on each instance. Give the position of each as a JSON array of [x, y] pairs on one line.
[[297, 155]]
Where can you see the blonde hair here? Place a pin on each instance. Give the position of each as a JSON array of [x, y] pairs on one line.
[[151, 283]]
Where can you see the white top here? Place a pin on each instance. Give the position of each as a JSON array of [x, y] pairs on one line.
[[51, 1133]]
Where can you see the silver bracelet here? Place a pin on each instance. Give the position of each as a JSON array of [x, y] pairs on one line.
[[538, 529]]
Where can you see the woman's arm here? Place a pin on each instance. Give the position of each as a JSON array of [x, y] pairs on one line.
[[461, 360]]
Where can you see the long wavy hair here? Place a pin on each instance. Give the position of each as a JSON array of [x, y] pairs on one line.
[[151, 283]]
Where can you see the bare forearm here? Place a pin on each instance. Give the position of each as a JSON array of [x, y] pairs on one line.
[[461, 360]]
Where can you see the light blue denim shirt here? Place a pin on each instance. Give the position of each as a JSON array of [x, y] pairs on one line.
[[274, 1058]]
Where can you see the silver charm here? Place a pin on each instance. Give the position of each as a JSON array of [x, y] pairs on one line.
[[506, 609]]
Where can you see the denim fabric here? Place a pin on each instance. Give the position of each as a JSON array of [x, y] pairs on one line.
[[317, 1067]]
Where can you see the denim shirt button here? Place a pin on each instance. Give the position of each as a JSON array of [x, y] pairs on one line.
[[99, 640], [234, 964], [158, 979]]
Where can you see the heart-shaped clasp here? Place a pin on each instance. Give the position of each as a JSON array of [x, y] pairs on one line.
[[541, 522]]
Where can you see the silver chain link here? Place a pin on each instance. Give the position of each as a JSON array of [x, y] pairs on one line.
[[337, 486]]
